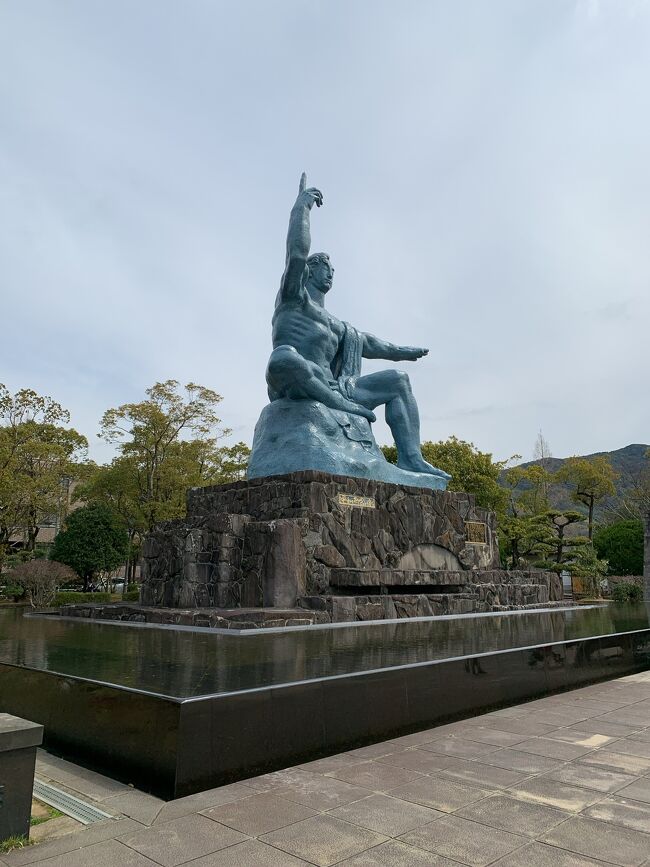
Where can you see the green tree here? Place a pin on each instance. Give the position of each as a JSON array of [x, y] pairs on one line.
[[621, 544], [167, 443], [522, 538], [559, 547], [471, 470], [591, 479], [528, 488], [93, 540], [585, 564], [38, 458]]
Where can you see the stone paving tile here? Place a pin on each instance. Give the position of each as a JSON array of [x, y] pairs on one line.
[[181, 840], [514, 760], [452, 746], [477, 774], [590, 777], [324, 793], [643, 736], [415, 739], [326, 765], [464, 841], [563, 717], [600, 705], [541, 855], [110, 853], [632, 748], [439, 793], [627, 716], [386, 815], [250, 853], [422, 761], [96, 833], [580, 739], [278, 780], [596, 726], [443, 731], [514, 712], [639, 790], [512, 814], [323, 840], [553, 749], [601, 840], [519, 726], [202, 801], [136, 805], [374, 751], [542, 790], [54, 828], [617, 761], [495, 737], [376, 776], [396, 854], [258, 814]]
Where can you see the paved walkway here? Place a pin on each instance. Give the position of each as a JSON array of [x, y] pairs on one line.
[[559, 782]]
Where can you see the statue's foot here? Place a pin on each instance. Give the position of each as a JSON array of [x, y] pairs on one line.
[[419, 465]]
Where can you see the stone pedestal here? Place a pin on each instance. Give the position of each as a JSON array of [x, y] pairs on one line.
[[19, 739], [646, 560], [346, 547]]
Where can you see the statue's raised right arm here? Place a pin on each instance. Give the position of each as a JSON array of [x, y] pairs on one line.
[[298, 242]]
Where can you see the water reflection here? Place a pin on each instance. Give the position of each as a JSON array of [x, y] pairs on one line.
[[183, 663]]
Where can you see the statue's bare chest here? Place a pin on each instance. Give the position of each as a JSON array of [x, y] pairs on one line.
[[310, 319]]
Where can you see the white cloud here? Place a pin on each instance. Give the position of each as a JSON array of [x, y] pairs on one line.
[[486, 187]]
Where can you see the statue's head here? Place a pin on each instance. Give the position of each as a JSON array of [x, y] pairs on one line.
[[321, 273]]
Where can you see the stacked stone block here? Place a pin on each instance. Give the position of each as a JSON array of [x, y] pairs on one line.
[[292, 542]]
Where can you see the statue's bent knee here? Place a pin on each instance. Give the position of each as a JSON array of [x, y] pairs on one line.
[[401, 380], [283, 358], [286, 365]]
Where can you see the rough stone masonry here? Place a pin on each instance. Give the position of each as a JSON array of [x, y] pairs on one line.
[[345, 548]]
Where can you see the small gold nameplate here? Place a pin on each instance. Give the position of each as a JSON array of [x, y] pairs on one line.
[[476, 533], [356, 501]]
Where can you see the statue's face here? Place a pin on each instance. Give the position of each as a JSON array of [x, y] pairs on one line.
[[321, 275]]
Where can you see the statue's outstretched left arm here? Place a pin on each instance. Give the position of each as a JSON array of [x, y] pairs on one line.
[[375, 347]]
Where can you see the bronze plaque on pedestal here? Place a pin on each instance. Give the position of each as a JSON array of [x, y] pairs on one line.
[[356, 501], [476, 532]]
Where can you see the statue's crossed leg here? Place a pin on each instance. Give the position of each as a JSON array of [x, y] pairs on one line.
[[292, 376]]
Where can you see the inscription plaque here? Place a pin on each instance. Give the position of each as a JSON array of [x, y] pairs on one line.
[[356, 501], [476, 532]]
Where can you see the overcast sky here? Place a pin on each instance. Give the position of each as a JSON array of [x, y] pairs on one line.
[[485, 168]]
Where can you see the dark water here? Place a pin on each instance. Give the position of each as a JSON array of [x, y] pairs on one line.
[[191, 663]]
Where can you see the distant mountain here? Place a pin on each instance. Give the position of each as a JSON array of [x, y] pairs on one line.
[[628, 462]]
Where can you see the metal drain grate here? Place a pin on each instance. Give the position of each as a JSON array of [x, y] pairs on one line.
[[71, 806]]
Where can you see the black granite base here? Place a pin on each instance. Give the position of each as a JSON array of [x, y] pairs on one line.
[[175, 747]]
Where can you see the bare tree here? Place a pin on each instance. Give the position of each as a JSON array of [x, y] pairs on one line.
[[542, 455], [40, 578]]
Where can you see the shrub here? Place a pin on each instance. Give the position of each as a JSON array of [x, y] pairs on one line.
[[626, 591], [71, 597], [621, 544], [12, 591], [39, 579], [131, 596]]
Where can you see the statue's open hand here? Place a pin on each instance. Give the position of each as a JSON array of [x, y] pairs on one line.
[[308, 196], [412, 353]]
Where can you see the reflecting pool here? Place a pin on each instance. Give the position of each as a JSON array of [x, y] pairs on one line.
[[187, 662]]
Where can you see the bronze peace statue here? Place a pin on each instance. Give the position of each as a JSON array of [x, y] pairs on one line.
[[322, 407]]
